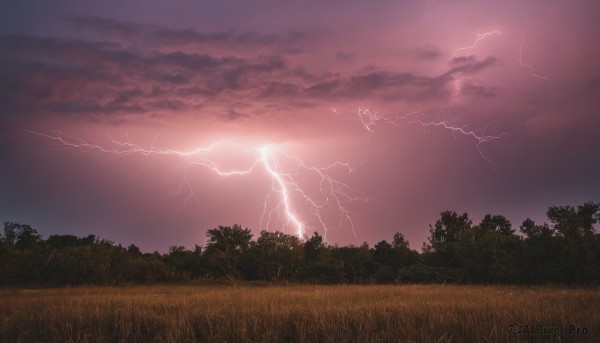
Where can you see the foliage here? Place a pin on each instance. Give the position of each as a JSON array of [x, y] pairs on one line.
[[566, 251]]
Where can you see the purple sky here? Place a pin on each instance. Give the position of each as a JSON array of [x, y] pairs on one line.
[[180, 75]]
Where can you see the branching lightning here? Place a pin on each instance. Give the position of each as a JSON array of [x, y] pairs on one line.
[[283, 199], [531, 69], [480, 37], [370, 119], [288, 203]]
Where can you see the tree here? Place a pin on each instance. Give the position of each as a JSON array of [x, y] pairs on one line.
[[62, 241], [448, 228], [497, 223], [225, 248], [500, 248], [574, 223], [276, 256], [187, 262], [399, 241], [21, 254], [541, 258], [444, 235], [314, 248], [386, 265], [133, 250], [575, 229], [486, 252], [402, 253], [533, 231], [357, 262], [320, 264], [565, 251], [19, 235]]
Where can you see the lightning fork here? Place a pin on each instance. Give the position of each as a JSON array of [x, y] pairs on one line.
[[284, 181]]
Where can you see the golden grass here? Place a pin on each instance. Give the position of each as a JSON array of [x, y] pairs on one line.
[[419, 313]]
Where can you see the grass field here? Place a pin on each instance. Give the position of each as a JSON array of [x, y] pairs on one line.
[[419, 313]]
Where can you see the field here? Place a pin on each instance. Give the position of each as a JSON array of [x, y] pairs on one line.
[[246, 313]]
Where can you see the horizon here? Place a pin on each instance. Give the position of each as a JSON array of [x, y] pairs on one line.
[[304, 238]]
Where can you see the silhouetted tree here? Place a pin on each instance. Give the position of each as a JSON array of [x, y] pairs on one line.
[[574, 223], [442, 250], [385, 271], [488, 251], [225, 248], [575, 231], [567, 251], [320, 264], [314, 248], [276, 257], [133, 250], [392, 259], [21, 254], [541, 254], [497, 223], [19, 235], [358, 265], [188, 262], [447, 228]]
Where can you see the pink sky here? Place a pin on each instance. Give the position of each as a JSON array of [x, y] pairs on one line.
[[184, 75]]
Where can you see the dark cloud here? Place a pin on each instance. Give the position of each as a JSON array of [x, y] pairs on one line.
[[109, 25], [462, 60], [86, 107], [384, 81], [276, 89], [473, 88], [167, 36], [428, 53], [96, 78], [399, 86], [324, 88], [75, 76], [344, 56], [191, 36], [472, 66]]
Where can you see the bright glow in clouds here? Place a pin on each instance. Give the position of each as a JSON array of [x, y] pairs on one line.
[[283, 200]]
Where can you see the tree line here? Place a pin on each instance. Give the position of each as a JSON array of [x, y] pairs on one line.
[[566, 251]]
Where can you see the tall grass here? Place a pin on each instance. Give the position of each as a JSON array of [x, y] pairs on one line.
[[419, 313]]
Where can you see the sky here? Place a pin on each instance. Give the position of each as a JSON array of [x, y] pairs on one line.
[[151, 122]]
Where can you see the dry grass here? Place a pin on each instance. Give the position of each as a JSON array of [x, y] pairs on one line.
[[419, 313]]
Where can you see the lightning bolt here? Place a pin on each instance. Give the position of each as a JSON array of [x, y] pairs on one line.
[[283, 198], [531, 69], [286, 196], [370, 119], [479, 38]]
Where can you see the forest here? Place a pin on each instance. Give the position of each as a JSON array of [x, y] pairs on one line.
[[564, 251]]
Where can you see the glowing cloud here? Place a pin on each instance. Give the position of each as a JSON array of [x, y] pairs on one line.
[[283, 169]]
